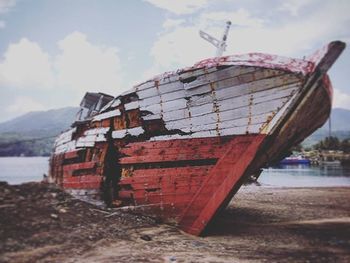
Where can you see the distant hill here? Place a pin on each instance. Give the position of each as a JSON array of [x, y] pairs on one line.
[[340, 122], [32, 134]]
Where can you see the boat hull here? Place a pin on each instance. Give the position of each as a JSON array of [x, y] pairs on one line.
[[180, 146]]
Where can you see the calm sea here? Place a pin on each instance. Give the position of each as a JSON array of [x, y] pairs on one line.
[[16, 170]]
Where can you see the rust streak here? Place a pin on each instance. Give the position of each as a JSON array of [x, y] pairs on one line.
[[251, 98], [215, 108]]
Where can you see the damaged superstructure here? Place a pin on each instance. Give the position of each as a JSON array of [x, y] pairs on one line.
[[180, 145]]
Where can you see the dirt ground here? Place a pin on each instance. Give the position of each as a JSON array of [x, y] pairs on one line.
[[40, 223]]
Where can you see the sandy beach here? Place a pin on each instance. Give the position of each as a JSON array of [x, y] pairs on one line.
[[40, 223]]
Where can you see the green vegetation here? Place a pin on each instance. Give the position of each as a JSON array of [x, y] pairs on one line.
[[33, 134], [17, 145], [334, 144]]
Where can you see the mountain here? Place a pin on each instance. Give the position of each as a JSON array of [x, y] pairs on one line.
[[33, 134], [340, 127]]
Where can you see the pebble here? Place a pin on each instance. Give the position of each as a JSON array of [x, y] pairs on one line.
[[62, 211], [146, 237], [54, 216]]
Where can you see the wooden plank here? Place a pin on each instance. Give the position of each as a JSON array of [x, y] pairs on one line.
[[79, 166], [196, 72], [106, 115], [255, 86], [211, 98], [159, 106], [168, 158], [164, 178], [75, 182], [226, 174], [72, 154], [131, 105], [256, 76], [136, 131], [173, 171], [178, 143], [174, 77], [215, 76], [65, 137], [214, 149], [102, 130], [68, 146], [239, 122], [170, 87]]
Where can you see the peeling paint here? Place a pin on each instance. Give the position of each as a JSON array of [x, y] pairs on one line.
[[168, 145]]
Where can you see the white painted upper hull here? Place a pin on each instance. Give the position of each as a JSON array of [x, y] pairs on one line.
[[233, 95]]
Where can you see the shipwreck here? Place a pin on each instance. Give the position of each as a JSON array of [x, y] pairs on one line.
[[180, 145]]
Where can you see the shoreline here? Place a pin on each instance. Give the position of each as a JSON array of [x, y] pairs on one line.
[[39, 222]]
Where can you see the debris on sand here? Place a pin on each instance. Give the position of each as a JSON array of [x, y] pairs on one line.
[[41, 223]]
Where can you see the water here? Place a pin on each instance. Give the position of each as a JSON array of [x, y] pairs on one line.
[[16, 170], [306, 176]]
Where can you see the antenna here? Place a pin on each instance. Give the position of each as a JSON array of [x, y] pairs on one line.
[[220, 45]]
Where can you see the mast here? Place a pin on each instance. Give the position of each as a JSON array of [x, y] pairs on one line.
[[220, 45]]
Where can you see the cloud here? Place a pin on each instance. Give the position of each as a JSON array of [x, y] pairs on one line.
[[56, 81], [293, 6], [5, 5], [2, 24], [171, 23], [84, 67], [26, 65], [181, 46], [179, 7], [24, 104], [241, 17], [80, 66], [341, 99]]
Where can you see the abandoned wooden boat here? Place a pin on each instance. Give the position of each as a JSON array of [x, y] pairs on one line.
[[180, 145]]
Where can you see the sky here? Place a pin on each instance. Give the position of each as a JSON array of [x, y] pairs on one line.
[[53, 51]]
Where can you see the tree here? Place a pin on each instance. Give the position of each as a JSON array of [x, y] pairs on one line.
[[328, 143], [345, 145]]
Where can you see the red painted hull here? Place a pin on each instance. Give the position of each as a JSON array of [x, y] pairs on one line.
[[182, 181], [183, 158]]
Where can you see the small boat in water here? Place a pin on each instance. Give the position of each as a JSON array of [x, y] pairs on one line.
[[295, 160], [180, 145]]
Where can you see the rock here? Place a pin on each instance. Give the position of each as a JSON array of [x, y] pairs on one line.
[[146, 237], [3, 184], [54, 216], [62, 211]]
